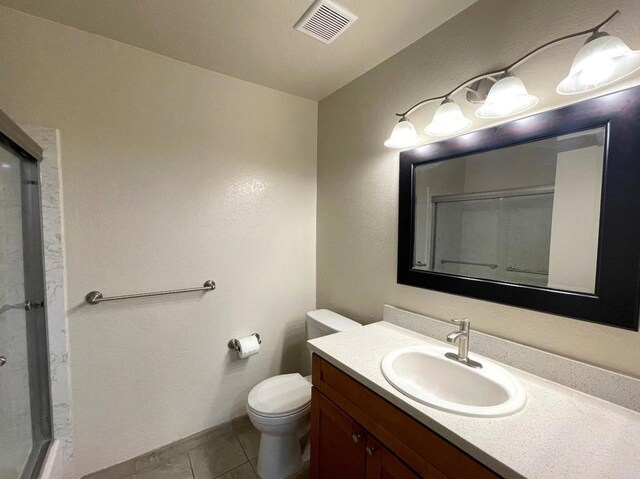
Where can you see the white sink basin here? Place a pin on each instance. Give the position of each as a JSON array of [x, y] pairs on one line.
[[423, 373]]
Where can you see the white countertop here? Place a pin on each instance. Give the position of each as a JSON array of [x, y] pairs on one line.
[[560, 434]]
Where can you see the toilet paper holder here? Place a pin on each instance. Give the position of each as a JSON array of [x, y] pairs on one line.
[[233, 343]]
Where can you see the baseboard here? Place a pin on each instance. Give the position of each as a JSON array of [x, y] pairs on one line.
[[52, 467], [152, 458]]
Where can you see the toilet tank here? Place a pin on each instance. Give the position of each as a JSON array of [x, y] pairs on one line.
[[322, 322]]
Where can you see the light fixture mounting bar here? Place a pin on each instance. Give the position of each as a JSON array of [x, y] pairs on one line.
[[508, 68]]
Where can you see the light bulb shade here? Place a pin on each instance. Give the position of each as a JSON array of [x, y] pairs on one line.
[[447, 120], [403, 135], [601, 61], [507, 97]]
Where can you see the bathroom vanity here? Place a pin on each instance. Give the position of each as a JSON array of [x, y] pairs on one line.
[[363, 427], [359, 434]]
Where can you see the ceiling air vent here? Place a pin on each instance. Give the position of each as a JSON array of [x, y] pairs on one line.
[[325, 21]]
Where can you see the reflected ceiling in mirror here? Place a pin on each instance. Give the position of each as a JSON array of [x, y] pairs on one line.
[[526, 214]]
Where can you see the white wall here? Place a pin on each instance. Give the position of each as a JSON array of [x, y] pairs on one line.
[[358, 177], [433, 180], [172, 175], [521, 166], [576, 220]]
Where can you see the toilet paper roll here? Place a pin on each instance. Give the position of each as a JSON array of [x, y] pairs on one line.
[[248, 346]]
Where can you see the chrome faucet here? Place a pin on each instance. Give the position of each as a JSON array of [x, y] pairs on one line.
[[462, 338]]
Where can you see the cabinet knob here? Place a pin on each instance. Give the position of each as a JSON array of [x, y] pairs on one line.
[[356, 438], [370, 450], [3, 361]]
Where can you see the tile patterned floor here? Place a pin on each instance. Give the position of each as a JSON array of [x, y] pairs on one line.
[[232, 456]]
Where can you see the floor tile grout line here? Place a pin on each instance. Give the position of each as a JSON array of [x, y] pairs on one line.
[[193, 474], [241, 446], [189, 452], [231, 470]]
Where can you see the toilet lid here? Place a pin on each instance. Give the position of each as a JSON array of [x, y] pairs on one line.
[[280, 395]]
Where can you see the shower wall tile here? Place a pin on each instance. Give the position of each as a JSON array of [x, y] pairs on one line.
[[50, 180]]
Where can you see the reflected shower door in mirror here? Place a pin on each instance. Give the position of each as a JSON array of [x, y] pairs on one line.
[[526, 214]]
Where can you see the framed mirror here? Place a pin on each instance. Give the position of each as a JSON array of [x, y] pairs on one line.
[[542, 212]]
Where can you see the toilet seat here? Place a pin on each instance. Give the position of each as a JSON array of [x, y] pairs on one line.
[[280, 396]]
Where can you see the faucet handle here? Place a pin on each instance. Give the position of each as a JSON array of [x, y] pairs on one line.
[[462, 322]]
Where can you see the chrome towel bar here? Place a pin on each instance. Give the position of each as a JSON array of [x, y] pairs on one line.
[[488, 265], [96, 297], [529, 271]]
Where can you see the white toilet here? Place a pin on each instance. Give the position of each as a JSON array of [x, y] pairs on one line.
[[279, 407]]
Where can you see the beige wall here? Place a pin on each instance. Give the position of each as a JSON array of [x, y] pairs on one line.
[[172, 175], [358, 177]]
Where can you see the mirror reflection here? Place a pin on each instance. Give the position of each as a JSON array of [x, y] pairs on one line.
[[526, 214]]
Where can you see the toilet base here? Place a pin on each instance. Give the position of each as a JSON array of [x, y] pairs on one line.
[[279, 456]]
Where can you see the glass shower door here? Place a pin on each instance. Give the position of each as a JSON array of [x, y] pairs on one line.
[[24, 387]]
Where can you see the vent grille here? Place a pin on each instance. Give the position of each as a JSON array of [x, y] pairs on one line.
[[325, 21]]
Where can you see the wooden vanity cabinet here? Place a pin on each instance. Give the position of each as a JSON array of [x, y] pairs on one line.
[[340, 445], [357, 434], [383, 464]]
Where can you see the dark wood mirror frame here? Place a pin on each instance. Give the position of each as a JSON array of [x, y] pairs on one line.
[[616, 300]]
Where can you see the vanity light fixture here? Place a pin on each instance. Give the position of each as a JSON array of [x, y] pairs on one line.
[[403, 135], [602, 60], [448, 120], [507, 97]]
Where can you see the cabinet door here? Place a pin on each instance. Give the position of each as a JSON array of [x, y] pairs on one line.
[[338, 442], [382, 464]]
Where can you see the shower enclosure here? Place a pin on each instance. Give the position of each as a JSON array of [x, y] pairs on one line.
[[25, 410], [499, 235]]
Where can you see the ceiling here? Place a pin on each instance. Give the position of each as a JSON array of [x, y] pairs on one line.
[[254, 39]]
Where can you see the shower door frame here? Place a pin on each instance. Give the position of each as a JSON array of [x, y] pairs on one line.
[[30, 154]]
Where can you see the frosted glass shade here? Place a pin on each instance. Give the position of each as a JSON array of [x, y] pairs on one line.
[[507, 97], [403, 135], [447, 120], [602, 60]]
